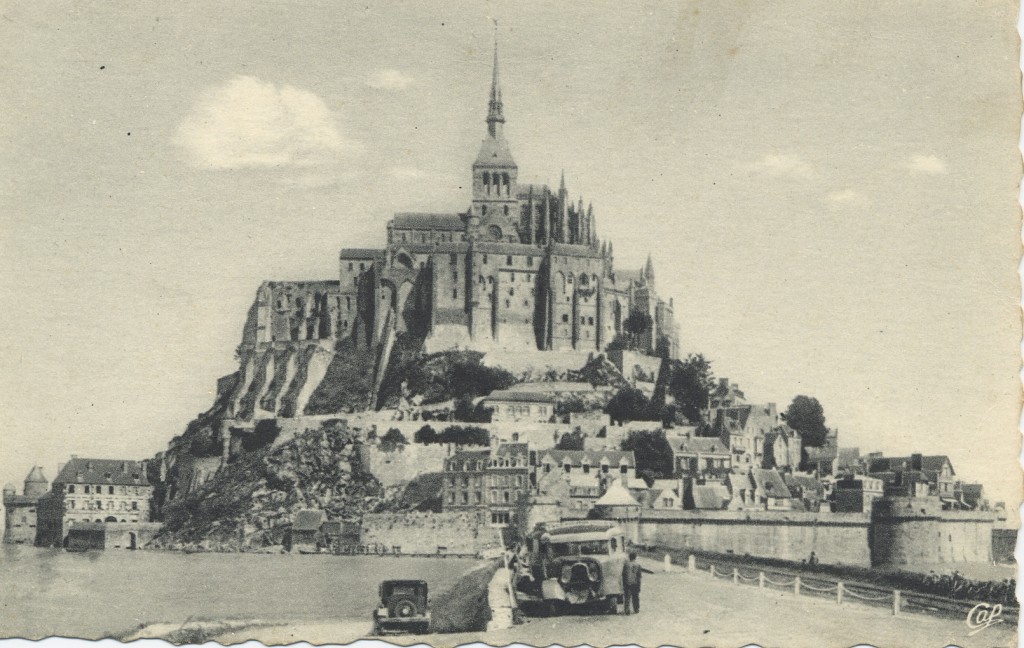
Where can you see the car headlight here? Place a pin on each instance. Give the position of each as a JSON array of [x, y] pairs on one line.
[[382, 612], [566, 575]]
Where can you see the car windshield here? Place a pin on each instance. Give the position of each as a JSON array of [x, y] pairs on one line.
[[587, 548]]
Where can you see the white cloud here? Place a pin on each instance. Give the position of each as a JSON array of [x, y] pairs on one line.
[[249, 123], [927, 164], [779, 165], [845, 196], [388, 79]]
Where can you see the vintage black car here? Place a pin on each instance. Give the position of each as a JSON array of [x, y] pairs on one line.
[[403, 608]]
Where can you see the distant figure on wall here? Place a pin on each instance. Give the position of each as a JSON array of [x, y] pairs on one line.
[[813, 560], [631, 575]]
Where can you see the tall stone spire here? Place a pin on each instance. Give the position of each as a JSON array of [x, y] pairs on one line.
[[495, 114], [649, 271]]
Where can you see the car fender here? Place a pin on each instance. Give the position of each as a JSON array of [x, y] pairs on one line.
[[552, 590]]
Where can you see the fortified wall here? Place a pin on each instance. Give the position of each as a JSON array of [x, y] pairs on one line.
[[909, 530], [840, 539], [429, 533], [893, 535]]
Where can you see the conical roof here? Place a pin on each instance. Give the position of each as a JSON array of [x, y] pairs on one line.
[[616, 495], [36, 476]]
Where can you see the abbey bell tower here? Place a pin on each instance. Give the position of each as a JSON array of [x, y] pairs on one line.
[[495, 200]]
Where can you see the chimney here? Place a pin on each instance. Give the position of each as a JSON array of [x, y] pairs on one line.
[[916, 461]]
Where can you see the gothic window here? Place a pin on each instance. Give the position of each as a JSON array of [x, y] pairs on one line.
[[565, 318], [487, 182], [485, 259], [453, 259], [490, 281], [495, 232], [350, 266], [455, 275], [590, 320], [348, 303], [511, 292], [508, 260], [505, 181], [403, 241], [506, 210], [455, 293], [345, 324], [584, 280], [569, 278]]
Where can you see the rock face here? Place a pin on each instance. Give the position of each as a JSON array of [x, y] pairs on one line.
[[247, 503]]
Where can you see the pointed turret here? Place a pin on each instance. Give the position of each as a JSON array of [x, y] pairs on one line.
[[649, 271]]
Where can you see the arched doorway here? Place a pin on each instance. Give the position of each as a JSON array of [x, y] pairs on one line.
[[109, 518], [133, 540]]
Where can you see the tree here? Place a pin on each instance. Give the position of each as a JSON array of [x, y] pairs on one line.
[[807, 417], [690, 382], [636, 324], [392, 439], [628, 404], [425, 435], [571, 441], [653, 453]]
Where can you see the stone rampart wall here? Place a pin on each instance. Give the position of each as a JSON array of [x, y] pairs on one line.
[[429, 533], [942, 539], [834, 538]]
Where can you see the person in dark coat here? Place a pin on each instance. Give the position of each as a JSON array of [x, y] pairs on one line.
[[631, 574]]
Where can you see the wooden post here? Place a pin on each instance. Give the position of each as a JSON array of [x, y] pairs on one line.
[[712, 569], [668, 563], [839, 592], [691, 563], [736, 575], [896, 602], [760, 580], [796, 585]]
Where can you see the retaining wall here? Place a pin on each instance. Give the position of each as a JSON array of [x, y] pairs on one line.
[[430, 533]]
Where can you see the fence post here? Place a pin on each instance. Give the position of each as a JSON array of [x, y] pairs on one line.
[[736, 575], [668, 563], [839, 592], [691, 563], [712, 569], [760, 580], [896, 602], [796, 585]]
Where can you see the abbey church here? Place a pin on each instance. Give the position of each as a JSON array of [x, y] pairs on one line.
[[521, 269]]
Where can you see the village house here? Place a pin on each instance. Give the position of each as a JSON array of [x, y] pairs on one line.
[[936, 470], [304, 533], [759, 489], [20, 515], [508, 405], [701, 457], [743, 428], [856, 494], [97, 491], [490, 481]]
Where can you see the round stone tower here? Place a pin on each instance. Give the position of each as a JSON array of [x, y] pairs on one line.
[[36, 484], [9, 491]]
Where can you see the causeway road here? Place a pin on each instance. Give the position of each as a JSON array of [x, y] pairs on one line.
[[683, 609]]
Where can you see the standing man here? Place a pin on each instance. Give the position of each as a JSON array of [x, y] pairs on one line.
[[631, 574]]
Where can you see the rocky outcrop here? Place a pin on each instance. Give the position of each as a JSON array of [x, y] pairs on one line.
[[248, 502]]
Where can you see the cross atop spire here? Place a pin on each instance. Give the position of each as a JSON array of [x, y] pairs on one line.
[[495, 115]]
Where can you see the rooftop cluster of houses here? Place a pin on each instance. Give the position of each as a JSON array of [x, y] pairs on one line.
[[754, 461]]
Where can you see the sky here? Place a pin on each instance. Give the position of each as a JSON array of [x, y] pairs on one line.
[[828, 192]]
